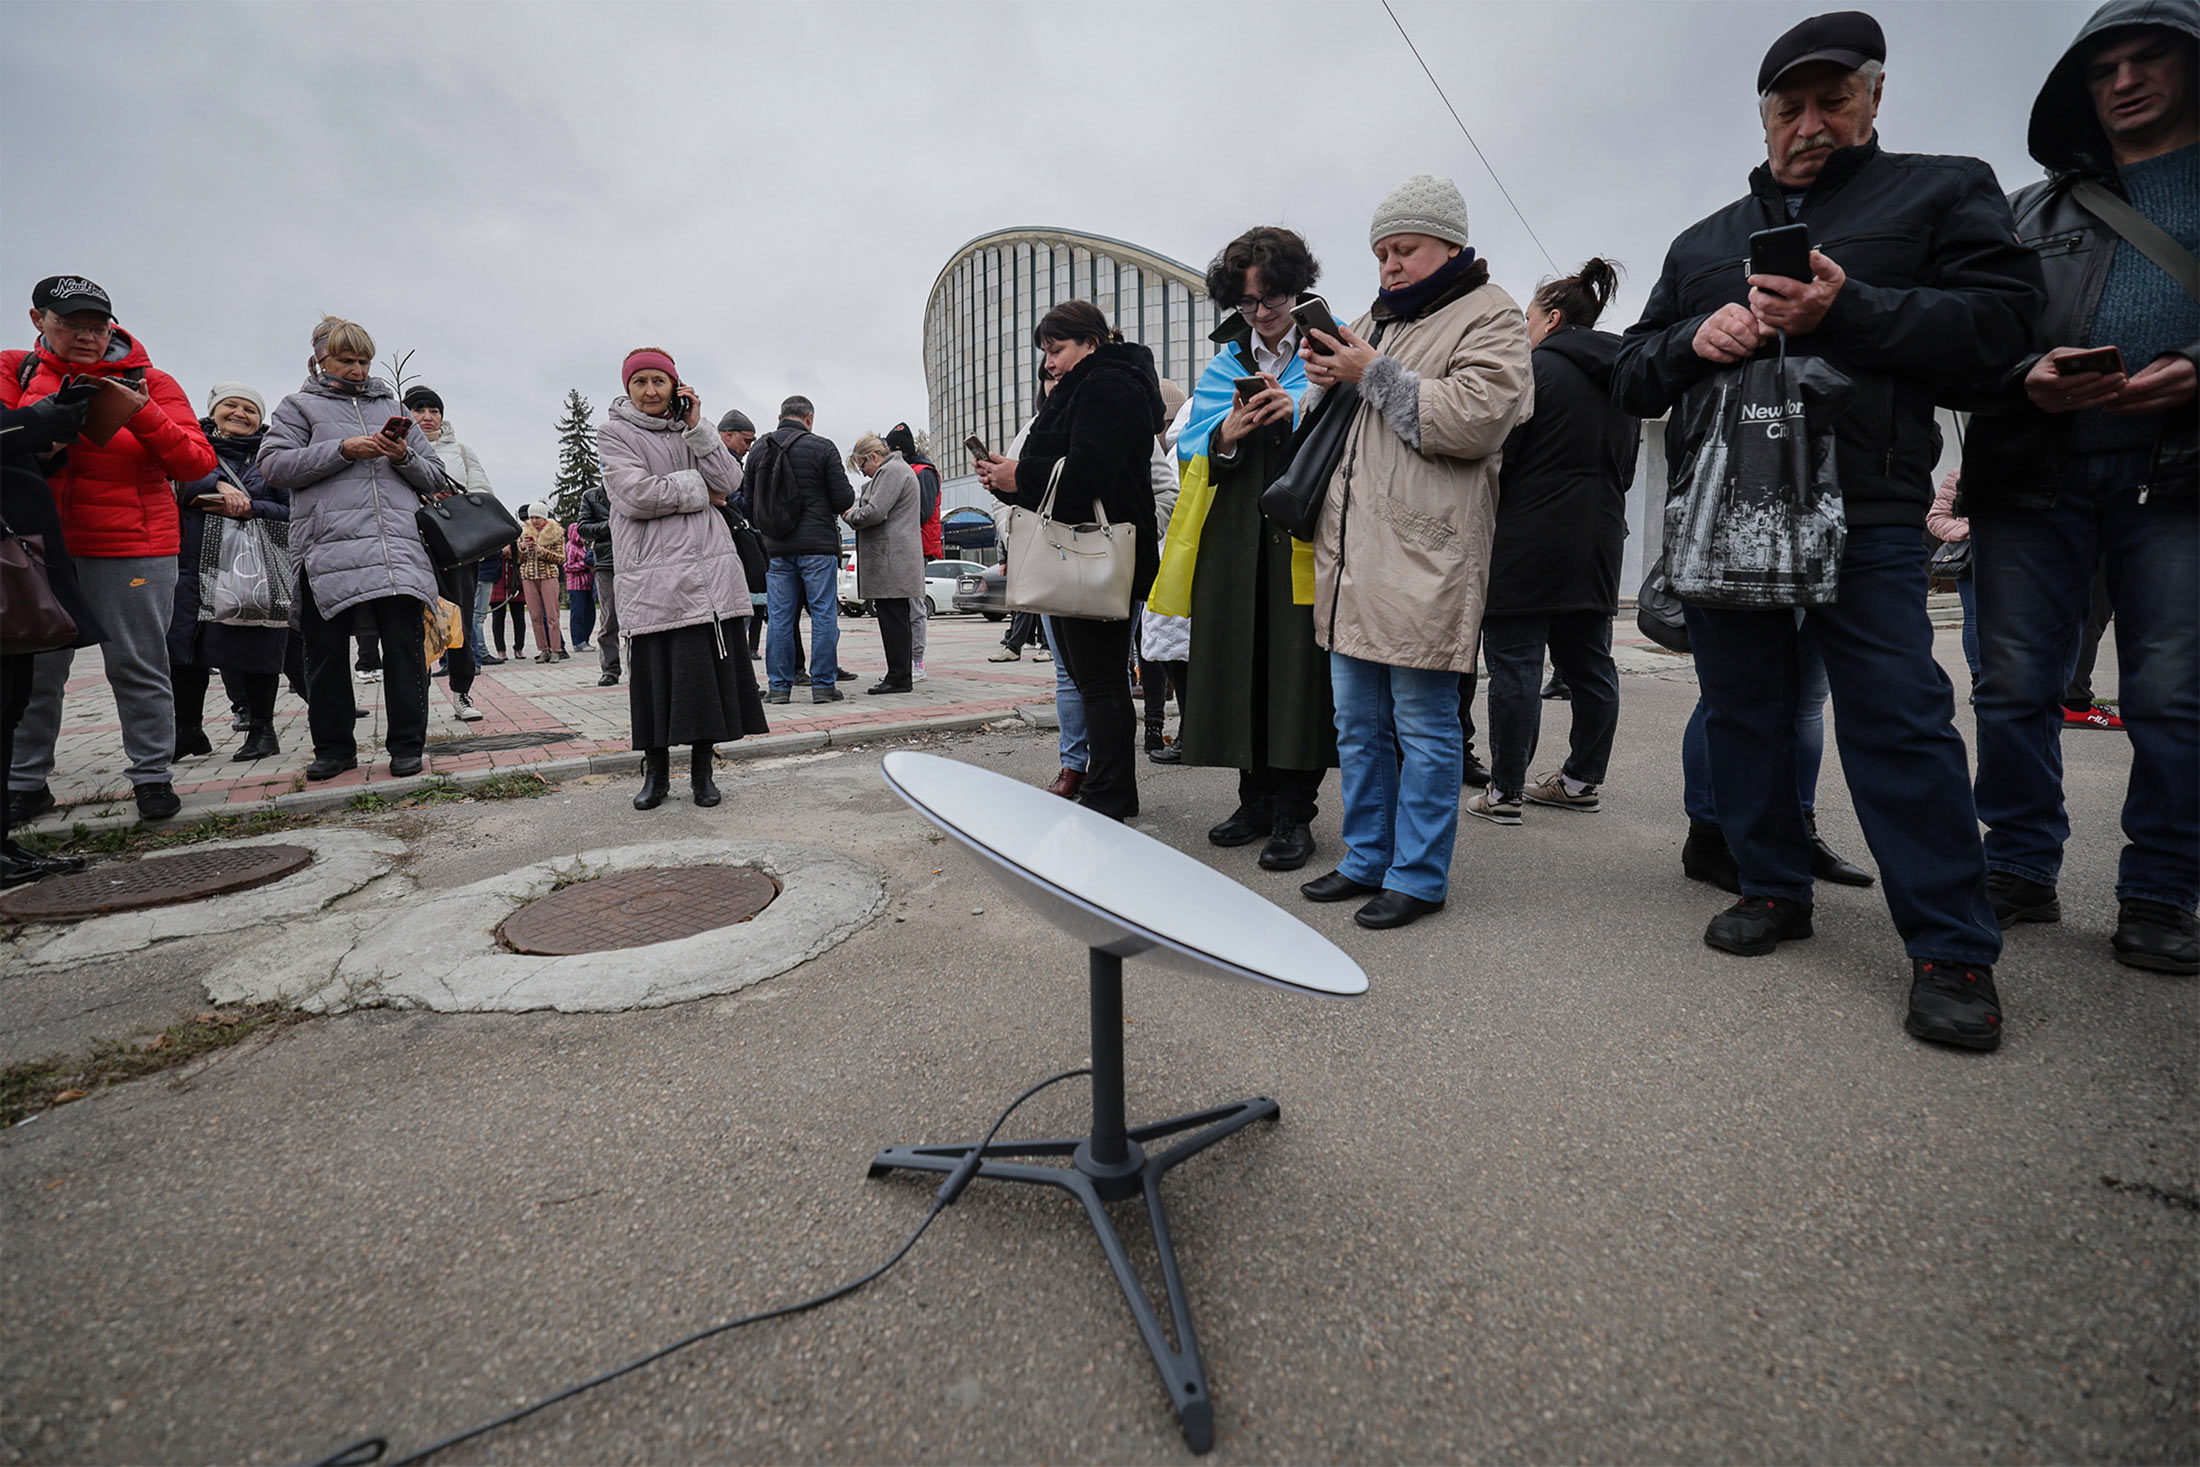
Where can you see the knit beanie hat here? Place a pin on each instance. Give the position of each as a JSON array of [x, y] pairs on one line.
[[643, 358], [1423, 204], [221, 390], [735, 421], [422, 397]]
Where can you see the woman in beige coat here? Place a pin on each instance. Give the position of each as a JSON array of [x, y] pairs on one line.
[[541, 552], [1402, 553]]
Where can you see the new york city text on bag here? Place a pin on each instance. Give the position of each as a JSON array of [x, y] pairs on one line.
[[1759, 520]]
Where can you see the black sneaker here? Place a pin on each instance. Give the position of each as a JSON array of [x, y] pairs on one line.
[[1474, 774], [2017, 899], [801, 679], [2155, 935], [1954, 1003], [778, 695], [826, 694], [1705, 857], [1244, 826], [24, 806], [157, 800], [1755, 926], [844, 675]]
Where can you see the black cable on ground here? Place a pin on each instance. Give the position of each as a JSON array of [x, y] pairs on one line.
[[370, 1450]]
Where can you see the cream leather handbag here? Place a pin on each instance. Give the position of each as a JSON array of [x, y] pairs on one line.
[[1060, 569]]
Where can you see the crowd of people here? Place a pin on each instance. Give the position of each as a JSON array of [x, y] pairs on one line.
[[1473, 463]]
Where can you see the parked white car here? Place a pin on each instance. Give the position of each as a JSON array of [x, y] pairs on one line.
[[940, 580]]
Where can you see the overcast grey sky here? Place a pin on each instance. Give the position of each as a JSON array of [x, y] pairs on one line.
[[522, 192]]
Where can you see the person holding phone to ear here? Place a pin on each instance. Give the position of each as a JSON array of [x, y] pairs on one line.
[[1256, 695], [357, 468]]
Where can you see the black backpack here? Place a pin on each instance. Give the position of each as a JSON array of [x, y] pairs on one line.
[[775, 499]]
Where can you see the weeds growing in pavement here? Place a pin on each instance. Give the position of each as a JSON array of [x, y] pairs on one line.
[[138, 839], [31, 1086]]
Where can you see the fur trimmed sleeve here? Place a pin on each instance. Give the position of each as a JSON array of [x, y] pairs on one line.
[[1396, 393]]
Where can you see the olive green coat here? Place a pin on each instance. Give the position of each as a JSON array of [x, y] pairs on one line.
[[1258, 686]]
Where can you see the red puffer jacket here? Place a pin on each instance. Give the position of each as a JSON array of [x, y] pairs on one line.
[[116, 502]]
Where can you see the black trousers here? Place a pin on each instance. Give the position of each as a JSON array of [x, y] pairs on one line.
[[895, 631], [1096, 654], [1284, 793], [516, 609], [457, 587], [1023, 630], [255, 690], [396, 621]]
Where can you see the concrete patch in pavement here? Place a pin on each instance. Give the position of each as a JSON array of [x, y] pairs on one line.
[[343, 862], [441, 951]]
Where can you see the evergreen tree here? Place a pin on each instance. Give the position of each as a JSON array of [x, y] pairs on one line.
[[579, 470]]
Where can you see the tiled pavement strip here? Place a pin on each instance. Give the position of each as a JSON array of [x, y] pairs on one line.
[[962, 690]]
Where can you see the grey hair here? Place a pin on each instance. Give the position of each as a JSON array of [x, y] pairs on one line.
[[1870, 71]]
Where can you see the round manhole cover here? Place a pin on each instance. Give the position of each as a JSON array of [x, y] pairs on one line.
[[156, 881], [636, 908]]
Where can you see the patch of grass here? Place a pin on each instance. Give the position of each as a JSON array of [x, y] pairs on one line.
[[31, 1086], [136, 840], [517, 784]]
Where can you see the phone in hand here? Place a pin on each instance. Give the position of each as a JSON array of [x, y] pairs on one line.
[[2102, 359], [398, 428], [679, 401], [976, 448], [1249, 388], [1313, 315], [1784, 251]]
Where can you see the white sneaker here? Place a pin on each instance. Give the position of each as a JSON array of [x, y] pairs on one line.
[[464, 707], [373, 676], [916, 674]]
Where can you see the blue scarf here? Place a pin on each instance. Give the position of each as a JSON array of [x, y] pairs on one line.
[[1408, 301]]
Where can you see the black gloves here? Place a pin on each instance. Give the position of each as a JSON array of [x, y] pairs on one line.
[[62, 415]]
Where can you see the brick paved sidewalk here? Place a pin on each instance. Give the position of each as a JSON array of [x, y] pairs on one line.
[[558, 703]]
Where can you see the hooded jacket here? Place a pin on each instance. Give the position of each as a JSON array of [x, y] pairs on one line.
[[819, 481], [2013, 457], [195, 643], [1100, 422], [677, 564], [116, 502], [1402, 549], [1562, 497], [352, 525], [1940, 299]]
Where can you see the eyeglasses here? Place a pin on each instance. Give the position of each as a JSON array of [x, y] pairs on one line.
[[1254, 306], [63, 326]]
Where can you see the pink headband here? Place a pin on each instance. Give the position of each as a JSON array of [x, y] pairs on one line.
[[642, 361]]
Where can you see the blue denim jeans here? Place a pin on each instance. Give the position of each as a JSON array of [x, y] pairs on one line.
[[1967, 593], [792, 581], [480, 642], [1810, 741], [1400, 751], [2034, 570], [1069, 708], [1895, 721]]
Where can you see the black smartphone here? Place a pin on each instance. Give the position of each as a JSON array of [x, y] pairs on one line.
[[1312, 314], [399, 428], [1249, 388], [2102, 359], [1784, 251], [678, 409]]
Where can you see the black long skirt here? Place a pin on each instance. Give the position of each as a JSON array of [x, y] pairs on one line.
[[693, 685]]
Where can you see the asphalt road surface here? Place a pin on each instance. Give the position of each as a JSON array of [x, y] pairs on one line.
[[1566, 1185]]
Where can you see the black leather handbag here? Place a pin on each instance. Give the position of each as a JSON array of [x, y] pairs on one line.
[[463, 528], [1658, 611], [1293, 503]]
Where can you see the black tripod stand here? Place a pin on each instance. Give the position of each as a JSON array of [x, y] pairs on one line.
[[1108, 1166]]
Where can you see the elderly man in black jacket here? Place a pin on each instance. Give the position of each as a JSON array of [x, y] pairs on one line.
[[797, 491], [1917, 284], [2072, 467]]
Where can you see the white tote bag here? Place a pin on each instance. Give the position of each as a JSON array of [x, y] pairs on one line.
[[1060, 569]]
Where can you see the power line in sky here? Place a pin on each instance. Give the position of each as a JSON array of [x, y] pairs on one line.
[[1455, 117]]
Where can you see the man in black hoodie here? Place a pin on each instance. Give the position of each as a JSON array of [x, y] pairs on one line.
[[2073, 465], [796, 493], [1918, 285]]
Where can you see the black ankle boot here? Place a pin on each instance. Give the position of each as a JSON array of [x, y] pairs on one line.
[[190, 741], [1826, 865], [700, 784], [1705, 857], [656, 776], [259, 744]]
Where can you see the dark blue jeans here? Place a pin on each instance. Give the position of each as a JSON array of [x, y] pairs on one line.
[[791, 582], [1580, 644], [1894, 720], [2035, 572], [1810, 741]]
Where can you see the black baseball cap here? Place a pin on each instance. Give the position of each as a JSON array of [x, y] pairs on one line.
[[1849, 37], [66, 295]]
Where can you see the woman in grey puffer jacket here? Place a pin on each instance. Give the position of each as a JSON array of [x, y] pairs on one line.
[[681, 586], [353, 493]]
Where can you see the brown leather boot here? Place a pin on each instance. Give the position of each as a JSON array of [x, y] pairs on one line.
[[1067, 783]]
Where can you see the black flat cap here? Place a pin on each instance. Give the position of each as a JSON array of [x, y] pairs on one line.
[[1849, 37]]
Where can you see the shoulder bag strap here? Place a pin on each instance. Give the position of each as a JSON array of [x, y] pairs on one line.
[[2141, 233]]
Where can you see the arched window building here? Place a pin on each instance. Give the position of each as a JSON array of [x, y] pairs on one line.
[[980, 369]]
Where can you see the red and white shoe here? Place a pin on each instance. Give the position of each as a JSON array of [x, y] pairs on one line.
[[2094, 717]]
